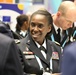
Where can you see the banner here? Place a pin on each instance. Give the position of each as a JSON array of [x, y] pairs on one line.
[[9, 12]]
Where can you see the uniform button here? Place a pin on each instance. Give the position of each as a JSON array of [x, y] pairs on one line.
[[47, 69]]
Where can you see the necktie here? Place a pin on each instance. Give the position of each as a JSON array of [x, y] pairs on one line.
[[42, 48], [43, 51], [58, 35]]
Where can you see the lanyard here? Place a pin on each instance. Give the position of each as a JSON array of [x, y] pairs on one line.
[[40, 64], [65, 42], [53, 39], [74, 33]]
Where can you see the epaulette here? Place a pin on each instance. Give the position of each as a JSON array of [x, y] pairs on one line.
[[17, 41]]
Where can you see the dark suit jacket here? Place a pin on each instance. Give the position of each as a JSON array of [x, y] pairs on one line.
[[9, 57], [74, 33], [53, 37], [4, 29], [69, 60], [30, 49]]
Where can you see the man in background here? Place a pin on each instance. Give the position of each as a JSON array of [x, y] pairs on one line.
[[63, 20]]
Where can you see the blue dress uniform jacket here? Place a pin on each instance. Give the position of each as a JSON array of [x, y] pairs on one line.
[[9, 57], [30, 50], [69, 60]]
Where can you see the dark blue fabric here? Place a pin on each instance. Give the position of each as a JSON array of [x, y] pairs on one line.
[[4, 29]]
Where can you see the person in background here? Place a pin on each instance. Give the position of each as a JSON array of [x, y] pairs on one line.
[[28, 14], [7, 47], [22, 25], [62, 21], [41, 54], [74, 34], [69, 60], [5, 29], [9, 58]]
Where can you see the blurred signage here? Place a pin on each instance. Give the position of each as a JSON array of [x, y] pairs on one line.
[[6, 1], [9, 12]]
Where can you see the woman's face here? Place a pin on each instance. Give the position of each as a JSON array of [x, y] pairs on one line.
[[39, 28]]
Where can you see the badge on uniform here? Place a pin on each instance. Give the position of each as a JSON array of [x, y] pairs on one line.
[[28, 54], [26, 49], [55, 55]]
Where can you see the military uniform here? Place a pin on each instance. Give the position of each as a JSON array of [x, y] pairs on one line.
[[64, 39], [36, 61], [73, 37]]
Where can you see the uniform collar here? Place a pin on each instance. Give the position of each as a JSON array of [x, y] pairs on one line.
[[23, 32], [44, 44], [56, 28]]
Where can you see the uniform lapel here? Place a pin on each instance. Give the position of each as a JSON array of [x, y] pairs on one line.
[[54, 36], [65, 39], [49, 51], [35, 50]]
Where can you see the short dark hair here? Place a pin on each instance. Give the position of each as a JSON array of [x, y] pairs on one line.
[[20, 20], [49, 19], [45, 13]]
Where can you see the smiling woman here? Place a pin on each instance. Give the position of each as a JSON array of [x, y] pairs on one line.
[[40, 25], [39, 28]]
